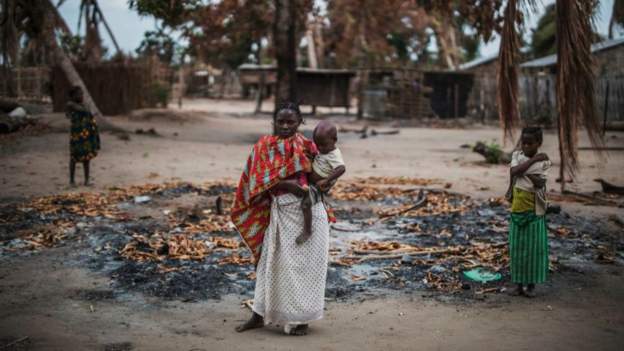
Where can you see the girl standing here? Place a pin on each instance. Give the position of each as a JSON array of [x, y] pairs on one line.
[[528, 236], [84, 142]]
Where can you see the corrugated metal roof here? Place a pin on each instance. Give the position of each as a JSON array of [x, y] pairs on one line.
[[477, 62], [254, 67], [551, 60]]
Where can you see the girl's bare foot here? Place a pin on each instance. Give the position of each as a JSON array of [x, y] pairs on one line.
[[256, 321], [529, 291]]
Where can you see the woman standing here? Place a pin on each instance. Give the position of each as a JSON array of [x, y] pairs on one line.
[[290, 277]]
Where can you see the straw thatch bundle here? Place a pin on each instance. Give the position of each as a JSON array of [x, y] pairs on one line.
[[575, 80]]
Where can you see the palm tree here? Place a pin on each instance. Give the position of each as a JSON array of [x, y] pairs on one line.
[[575, 77]]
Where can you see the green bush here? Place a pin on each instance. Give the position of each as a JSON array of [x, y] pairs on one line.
[[492, 152], [158, 95]]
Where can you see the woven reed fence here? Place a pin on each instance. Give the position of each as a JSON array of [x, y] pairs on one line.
[[116, 88]]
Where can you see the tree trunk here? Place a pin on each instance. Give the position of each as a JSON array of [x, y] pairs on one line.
[[445, 37], [361, 88], [320, 43], [61, 59], [311, 44], [284, 41], [110, 32], [260, 93]]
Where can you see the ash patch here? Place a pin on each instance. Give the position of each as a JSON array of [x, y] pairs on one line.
[[14, 219], [192, 282], [101, 234]]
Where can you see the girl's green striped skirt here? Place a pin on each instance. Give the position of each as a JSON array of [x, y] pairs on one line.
[[528, 248]]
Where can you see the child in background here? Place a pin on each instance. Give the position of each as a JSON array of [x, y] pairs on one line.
[[528, 236], [327, 167], [84, 140]]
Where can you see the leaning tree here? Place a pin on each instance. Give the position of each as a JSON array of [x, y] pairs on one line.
[[40, 20]]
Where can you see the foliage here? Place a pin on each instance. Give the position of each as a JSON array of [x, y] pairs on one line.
[[225, 33], [158, 95], [72, 44], [376, 33], [172, 12], [158, 43], [544, 36], [543, 39], [492, 152]]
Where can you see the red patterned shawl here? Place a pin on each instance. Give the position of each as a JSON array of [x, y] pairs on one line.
[[271, 160]]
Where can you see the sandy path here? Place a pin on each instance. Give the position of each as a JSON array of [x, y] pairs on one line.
[[207, 145], [584, 311], [39, 301]]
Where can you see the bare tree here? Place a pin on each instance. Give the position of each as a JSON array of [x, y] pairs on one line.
[[284, 35]]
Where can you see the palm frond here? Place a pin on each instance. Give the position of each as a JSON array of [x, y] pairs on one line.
[[507, 96], [575, 80]]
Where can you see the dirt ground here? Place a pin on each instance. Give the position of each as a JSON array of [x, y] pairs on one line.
[[43, 297]]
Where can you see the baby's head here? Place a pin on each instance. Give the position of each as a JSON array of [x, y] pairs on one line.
[[325, 137], [531, 140]]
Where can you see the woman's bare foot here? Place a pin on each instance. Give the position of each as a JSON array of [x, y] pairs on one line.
[[299, 330], [518, 291], [256, 321]]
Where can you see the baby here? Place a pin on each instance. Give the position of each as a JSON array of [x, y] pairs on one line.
[[327, 167]]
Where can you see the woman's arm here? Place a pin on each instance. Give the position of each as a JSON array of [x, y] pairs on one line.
[[292, 187], [523, 167]]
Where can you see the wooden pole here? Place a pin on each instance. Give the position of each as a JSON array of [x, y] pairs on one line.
[[605, 109], [456, 104], [362, 82], [260, 92], [110, 32]]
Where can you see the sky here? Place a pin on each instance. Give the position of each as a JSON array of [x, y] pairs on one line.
[[128, 27]]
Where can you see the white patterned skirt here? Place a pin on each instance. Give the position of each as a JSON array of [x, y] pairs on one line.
[[290, 278]]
